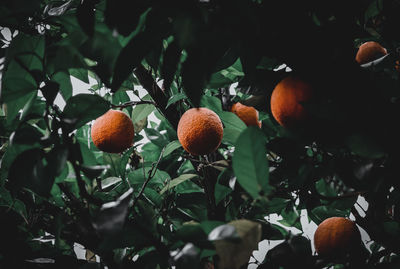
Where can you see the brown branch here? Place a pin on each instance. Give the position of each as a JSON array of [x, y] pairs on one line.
[[171, 114], [134, 103], [145, 78], [152, 173], [82, 187]]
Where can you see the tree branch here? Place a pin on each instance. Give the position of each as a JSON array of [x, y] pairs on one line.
[[152, 173], [133, 103], [172, 115], [145, 78]]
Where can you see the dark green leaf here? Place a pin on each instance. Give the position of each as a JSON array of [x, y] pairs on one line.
[[273, 232], [250, 162], [140, 112], [112, 215], [170, 63], [80, 73], [175, 98], [83, 108], [176, 181], [137, 177], [28, 171], [365, 146], [86, 17], [212, 103], [171, 147], [131, 56], [321, 213], [93, 172], [224, 232], [233, 127], [221, 191], [58, 10], [64, 81]]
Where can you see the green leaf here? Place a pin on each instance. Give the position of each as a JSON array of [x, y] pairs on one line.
[[250, 162], [194, 76], [80, 73], [121, 97], [323, 188], [221, 191], [153, 197], [175, 98], [28, 50], [272, 231], [138, 176], [210, 225], [191, 232], [9, 156], [56, 160], [20, 208], [320, 213], [16, 83], [291, 218], [109, 182], [276, 205], [18, 87], [218, 80], [233, 127], [124, 161], [83, 108], [171, 147], [131, 56], [392, 228], [156, 137], [63, 79], [212, 103], [177, 181], [171, 59], [140, 112], [365, 146], [93, 171], [23, 62], [27, 107], [28, 170]]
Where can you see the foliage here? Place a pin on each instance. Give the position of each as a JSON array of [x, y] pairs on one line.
[[155, 206]]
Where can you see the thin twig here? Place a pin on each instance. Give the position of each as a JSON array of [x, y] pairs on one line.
[[134, 103], [152, 173], [82, 188], [157, 94]]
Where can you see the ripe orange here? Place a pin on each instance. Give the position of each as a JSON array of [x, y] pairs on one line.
[[335, 236], [370, 51], [113, 132], [287, 99], [247, 114], [200, 131]]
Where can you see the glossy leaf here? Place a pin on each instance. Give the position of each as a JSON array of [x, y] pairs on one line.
[[250, 163], [83, 108]]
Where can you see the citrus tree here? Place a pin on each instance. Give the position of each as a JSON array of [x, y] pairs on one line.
[[261, 108]]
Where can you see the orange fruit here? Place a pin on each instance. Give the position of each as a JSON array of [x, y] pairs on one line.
[[335, 236], [370, 51], [200, 131], [247, 114], [113, 132], [287, 101]]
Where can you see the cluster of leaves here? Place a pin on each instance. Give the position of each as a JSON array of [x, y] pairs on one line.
[[155, 206]]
